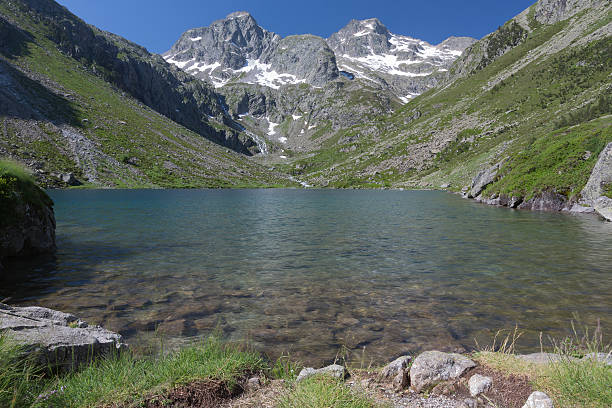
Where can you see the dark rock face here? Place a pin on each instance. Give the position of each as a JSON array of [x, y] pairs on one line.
[[145, 76], [33, 234], [58, 340], [547, 201]]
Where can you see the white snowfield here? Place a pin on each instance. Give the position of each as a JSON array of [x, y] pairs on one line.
[[396, 62], [254, 72]]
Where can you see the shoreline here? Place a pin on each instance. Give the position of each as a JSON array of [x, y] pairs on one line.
[[494, 374]]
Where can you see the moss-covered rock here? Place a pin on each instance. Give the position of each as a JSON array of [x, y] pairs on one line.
[[27, 221]]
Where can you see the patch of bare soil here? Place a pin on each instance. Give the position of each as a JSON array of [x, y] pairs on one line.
[[199, 394], [507, 391]]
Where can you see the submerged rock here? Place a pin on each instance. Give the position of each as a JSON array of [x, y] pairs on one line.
[[58, 340], [433, 367]]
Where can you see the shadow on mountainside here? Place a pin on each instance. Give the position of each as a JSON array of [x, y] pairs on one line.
[[13, 41], [24, 98]]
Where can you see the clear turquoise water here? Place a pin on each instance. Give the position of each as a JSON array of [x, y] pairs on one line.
[[310, 271]]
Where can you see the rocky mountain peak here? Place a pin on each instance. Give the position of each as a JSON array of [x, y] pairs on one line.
[[239, 14], [456, 43], [237, 48]]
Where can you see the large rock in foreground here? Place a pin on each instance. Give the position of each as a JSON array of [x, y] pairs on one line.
[[59, 340], [433, 367]]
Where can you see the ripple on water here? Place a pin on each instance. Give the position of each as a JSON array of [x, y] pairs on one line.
[[311, 272]]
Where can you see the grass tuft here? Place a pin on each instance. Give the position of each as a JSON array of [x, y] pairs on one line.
[[323, 391], [19, 379], [125, 378]]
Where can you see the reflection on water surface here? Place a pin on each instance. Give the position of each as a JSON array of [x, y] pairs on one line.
[[307, 271]]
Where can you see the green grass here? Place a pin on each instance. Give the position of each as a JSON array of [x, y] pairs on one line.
[[126, 378], [17, 188], [323, 391], [557, 161], [20, 382], [582, 384], [571, 382]]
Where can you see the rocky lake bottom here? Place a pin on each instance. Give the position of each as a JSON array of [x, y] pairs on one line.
[[309, 272]]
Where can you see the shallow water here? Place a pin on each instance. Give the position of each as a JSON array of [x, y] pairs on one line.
[[310, 271]]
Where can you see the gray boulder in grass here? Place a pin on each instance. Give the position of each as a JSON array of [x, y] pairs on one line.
[[538, 399], [57, 340], [433, 367], [334, 370]]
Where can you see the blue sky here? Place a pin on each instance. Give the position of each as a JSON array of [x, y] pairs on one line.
[[157, 24]]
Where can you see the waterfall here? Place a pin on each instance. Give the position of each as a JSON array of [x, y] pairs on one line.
[[259, 141]]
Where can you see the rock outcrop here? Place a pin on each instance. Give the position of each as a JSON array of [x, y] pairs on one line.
[[483, 179], [597, 193], [27, 226], [552, 11], [57, 340]]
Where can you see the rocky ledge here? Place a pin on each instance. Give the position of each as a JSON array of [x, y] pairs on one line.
[[57, 340], [596, 197]]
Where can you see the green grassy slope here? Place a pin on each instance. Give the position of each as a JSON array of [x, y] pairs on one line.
[[542, 105], [59, 115]]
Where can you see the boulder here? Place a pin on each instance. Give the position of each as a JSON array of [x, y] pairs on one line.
[[479, 384], [57, 340], [397, 366], [69, 179], [538, 399], [433, 367], [334, 370]]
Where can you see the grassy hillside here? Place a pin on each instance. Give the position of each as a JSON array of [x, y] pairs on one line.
[[540, 100], [60, 115]]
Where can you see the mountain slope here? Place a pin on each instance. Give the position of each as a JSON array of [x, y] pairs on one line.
[[503, 102], [79, 101]]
